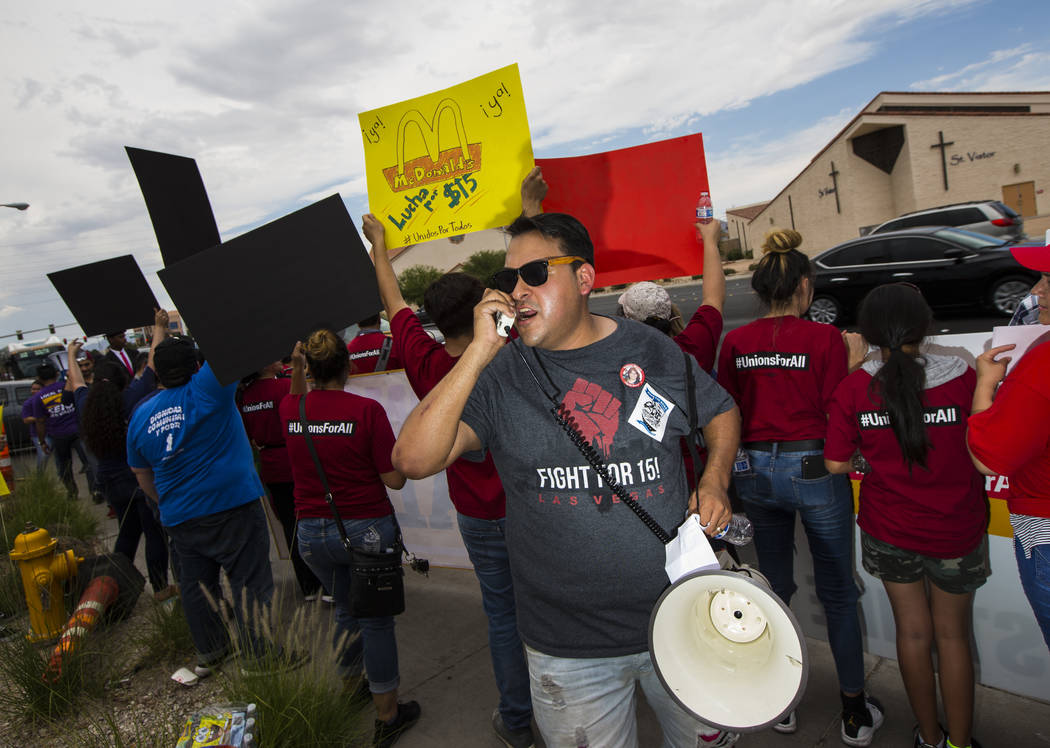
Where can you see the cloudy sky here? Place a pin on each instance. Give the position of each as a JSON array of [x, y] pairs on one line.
[[265, 96]]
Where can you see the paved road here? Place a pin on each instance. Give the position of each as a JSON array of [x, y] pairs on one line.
[[741, 307]]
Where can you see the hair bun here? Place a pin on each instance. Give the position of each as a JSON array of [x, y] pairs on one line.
[[780, 241], [321, 344]]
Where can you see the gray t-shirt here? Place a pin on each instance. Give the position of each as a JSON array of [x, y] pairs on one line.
[[586, 570]]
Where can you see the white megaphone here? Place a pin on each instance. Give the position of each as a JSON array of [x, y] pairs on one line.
[[727, 649]]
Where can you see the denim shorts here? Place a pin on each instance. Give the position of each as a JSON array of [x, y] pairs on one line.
[[957, 576]]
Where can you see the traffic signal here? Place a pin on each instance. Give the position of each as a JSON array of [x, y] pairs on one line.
[[51, 329], [19, 334]]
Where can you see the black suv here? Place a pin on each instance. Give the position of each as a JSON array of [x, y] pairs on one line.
[[983, 216], [952, 268]]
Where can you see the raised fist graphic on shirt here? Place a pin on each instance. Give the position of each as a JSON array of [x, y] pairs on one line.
[[597, 413]]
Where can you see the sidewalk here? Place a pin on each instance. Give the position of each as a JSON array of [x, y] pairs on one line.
[[443, 652]]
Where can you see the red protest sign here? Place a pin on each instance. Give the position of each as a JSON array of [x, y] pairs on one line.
[[639, 205]]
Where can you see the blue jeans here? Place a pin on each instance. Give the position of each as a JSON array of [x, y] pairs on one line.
[[1035, 580], [772, 492], [322, 550], [487, 547], [237, 541], [591, 702]]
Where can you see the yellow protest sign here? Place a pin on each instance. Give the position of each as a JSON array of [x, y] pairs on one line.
[[449, 162]]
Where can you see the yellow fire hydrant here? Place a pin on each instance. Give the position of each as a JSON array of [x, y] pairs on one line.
[[43, 572]]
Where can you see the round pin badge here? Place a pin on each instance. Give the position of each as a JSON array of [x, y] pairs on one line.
[[632, 375]]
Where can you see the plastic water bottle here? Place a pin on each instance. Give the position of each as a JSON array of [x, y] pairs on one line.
[[738, 531], [705, 213], [859, 464], [371, 540]]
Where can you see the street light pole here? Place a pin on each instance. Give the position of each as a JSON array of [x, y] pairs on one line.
[[16, 206]]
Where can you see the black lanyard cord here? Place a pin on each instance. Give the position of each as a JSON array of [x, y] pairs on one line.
[[568, 424]]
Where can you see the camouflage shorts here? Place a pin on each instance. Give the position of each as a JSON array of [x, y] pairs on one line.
[[955, 575]]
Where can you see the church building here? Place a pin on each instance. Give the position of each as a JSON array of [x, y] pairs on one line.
[[912, 151]]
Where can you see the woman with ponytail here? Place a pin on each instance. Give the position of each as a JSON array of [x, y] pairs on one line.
[[104, 409], [922, 509], [782, 371], [354, 450]]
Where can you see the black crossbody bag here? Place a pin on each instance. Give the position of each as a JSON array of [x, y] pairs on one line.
[[377, 584]]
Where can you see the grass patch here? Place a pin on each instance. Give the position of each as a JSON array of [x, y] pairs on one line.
[[12, 601], [41, 499], [729, 271], [164, 635], [103, 730], [304, 705], [26, 693]]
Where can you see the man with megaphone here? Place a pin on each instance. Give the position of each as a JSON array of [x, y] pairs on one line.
[[583, 415]]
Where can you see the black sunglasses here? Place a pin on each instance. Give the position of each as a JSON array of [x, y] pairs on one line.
[[533, 273]]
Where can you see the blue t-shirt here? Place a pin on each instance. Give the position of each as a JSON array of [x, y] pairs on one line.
[[194, 440]]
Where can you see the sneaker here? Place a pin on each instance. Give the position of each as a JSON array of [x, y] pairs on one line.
[[310, 598], [720, 739], [858, 728], [206, 671], [920, 743], [387, 734], [788, 725], [522, 738], [328, 599]]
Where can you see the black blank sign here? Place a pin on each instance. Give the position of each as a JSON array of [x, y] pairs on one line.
[[247, 301], [177, 203], [107, 296]]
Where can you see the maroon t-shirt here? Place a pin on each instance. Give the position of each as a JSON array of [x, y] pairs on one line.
[[939, 510], [365, 350], [782, 372], [474, 487], [1013, 436], [258, 404], [353, 439], [700, 336]]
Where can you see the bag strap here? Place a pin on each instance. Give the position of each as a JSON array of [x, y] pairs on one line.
[[321, 474], [690, 440], [384, 354]]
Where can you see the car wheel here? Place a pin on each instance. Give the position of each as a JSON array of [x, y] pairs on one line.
[[825, 309], [1005, 294]]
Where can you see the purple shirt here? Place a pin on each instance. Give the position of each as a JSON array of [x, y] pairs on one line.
[[60, 420]]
